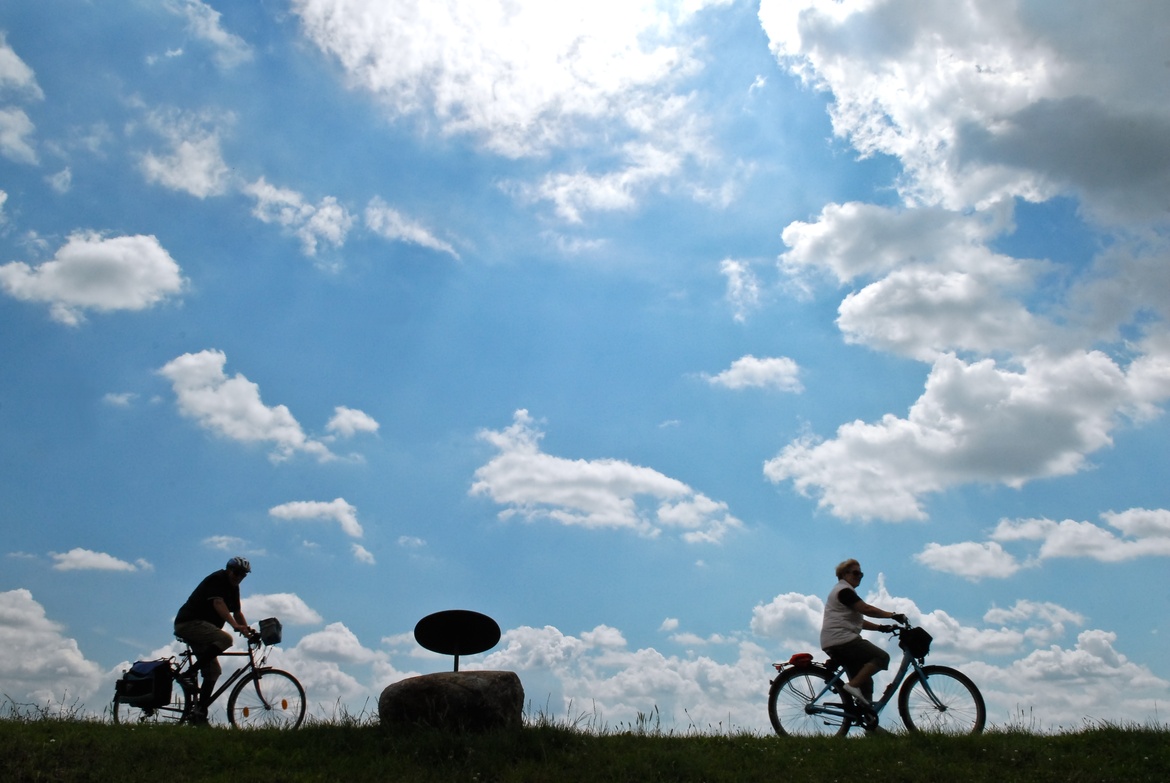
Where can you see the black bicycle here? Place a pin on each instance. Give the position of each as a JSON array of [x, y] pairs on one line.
[[806, 698], [166, 690]]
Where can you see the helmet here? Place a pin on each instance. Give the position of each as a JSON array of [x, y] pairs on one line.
[[239, 564]]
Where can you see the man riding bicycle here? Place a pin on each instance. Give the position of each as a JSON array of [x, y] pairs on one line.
[[200, 621], [844, 620]]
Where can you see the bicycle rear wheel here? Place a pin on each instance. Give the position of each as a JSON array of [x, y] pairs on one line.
[[267, 699], [791, 697], [953, 705], [175, 712]]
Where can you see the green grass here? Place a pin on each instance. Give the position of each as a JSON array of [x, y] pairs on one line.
[[39, 747]]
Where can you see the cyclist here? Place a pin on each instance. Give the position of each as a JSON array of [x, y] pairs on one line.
[[844, 620], [200, 620]]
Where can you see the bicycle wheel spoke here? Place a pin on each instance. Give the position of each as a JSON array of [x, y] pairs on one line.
[[792, 707], [174, 712], [267, 699], [946, 702]]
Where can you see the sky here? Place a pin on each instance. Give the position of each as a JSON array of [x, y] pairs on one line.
[[621, 323]]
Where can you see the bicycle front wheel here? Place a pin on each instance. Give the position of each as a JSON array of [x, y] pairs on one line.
[[793, 711], [267, 699], [941, 700], [175, 712]]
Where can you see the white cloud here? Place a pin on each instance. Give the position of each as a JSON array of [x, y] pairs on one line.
[[79, 559], [203, 22], [15, 75], [289, 608], [992, 99], [743, 289], [40, 664], [327, 222], [592, 493], [62, 181], [347, 422], [91, 272], [528, 77], [336, 510], [232, 407], [1140, 533], [362, 555], [970, 560], [119, 399], [976, 422], [980, 107], [15, 131], [195, 166], [389, 223], [748, 372]]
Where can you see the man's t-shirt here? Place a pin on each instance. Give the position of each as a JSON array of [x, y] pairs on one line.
[[841, 622], [199, 604]]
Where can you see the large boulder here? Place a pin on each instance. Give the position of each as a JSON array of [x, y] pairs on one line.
[[459, 701]]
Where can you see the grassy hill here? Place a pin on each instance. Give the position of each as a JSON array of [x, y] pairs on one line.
[[45, 749]]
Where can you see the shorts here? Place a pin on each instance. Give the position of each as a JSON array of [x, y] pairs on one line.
[[857, 653], [207, 642]]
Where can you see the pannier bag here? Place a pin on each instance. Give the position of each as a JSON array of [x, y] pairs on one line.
[[270, 630], [147, 684], [915, 641]]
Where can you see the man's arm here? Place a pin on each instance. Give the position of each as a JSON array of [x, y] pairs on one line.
[[235, 620]]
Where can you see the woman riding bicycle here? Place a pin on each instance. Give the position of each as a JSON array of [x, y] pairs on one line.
[[200, 620], [844, 619]]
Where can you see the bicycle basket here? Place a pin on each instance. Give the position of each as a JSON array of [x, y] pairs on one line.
[[915, 641], [270, 629], [147, 684]]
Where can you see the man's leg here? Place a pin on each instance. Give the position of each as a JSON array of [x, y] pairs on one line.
[[207, 642]]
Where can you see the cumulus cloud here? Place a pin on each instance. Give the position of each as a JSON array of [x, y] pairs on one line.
[[79, 559], [40, 663], [348, 422], [15, 75], [16, 130], [203, 22], [1126, 535], [976, 422], [990, 99], [604, 493], [389, 223], [362, 555], [983, 107], [336, 510], [289, 608], [780, 373], [232, 407], [326, 222], [194, 163], [743, 288], [970, 560], [91, 272], [526, 77]]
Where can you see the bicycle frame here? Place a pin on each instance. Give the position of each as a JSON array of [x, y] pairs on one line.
[[187, 666], [833, 685]]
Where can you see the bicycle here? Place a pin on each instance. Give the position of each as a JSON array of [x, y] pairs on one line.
[[263, 697], [806, 698]]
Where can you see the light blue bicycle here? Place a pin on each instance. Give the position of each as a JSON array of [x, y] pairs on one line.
[[806, 698]]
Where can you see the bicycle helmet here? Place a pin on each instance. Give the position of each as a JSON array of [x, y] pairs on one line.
[[239, 564]]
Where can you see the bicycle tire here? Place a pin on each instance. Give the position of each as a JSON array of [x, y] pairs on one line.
[[177, 711], [959, 710], [267, 699], [792, 691]]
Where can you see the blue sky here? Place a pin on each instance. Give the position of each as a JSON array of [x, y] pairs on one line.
[[621, 323]]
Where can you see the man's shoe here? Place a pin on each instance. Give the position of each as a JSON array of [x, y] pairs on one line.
[[856, 693], [198, 716]]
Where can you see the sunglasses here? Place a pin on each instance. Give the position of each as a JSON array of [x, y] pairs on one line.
[[856, 573]]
